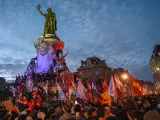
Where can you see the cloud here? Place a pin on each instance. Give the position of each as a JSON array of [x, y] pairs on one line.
[[121, 32], [9, 67], [144, 72]]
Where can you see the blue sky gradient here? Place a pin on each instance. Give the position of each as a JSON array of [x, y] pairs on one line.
[[123, 32]]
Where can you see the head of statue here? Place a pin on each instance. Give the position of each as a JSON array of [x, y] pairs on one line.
[[49, 10]]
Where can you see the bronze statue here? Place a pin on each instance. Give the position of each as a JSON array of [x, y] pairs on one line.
[[50, 24]]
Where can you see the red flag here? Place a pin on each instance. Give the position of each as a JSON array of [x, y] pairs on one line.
[[96, 94], [61, 95], [88, 85], [81, 91], [31, 105], [38, 102], [100, 100], [35, 93], [117, 85], [105, 84], [23, 101], [80, 72], [89, 91], [20, 90], [74, 85], [16, 110], [70, 88], [105, 94], [10, 107], [112, 88], [137, 87], [77, 78]]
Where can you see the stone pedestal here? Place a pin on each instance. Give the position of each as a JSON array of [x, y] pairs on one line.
[[46, 49]]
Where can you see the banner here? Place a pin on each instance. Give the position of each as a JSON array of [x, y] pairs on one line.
[[67, 77], [137, 87], [61, 95], [118, 86], [112, 87], [8, 105], [81, 91]]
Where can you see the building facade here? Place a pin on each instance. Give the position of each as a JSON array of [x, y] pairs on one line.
[[148, 87], [2, 82], [94, 69], [155, 63]]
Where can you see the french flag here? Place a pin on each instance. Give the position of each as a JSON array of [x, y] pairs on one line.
[[81, 91], [61, 95], [112, 88]]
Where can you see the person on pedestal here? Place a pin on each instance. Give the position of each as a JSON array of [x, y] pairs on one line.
[[59, 61], [62, 60]]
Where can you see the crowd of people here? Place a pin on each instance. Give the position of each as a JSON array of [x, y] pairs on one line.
[[131, 108], [37, 78], [20, 79]]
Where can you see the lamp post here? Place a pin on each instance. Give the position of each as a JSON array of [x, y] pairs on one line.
[[125, 77]]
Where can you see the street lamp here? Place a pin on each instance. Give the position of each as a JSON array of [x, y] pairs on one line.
[[124, 76]]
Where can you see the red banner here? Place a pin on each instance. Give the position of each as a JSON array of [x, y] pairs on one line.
[[137, 87], [67, 77]]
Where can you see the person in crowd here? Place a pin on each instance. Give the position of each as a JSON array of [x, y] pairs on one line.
[[7, 117], [41, 113], [101, 112], [92, 114], [129, 108], [34, 115], [77, 110], [152, 115], [21, 117], [114, 108], [158, 108], [135, 115], [67, 113], [108, 113], [29, 115]]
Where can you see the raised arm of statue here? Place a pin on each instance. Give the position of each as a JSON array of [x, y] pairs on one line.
[[38, 7]]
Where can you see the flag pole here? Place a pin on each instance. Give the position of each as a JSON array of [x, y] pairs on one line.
[[91, 90]]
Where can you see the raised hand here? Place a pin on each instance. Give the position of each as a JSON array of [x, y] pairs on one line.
[[38, 6]]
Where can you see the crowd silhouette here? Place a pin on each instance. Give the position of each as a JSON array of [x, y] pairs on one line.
[[41, 78], [130, 108]]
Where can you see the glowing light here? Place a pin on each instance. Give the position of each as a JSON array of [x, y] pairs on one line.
[[158, 69], [44, 62], [124, 76]]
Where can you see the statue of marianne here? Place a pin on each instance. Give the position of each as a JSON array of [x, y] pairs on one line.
[[50, 23]]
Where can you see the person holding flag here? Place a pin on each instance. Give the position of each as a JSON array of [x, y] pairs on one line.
[[81, 91], [61, 95]]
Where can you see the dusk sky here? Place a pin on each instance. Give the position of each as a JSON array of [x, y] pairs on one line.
[[123, 32]]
